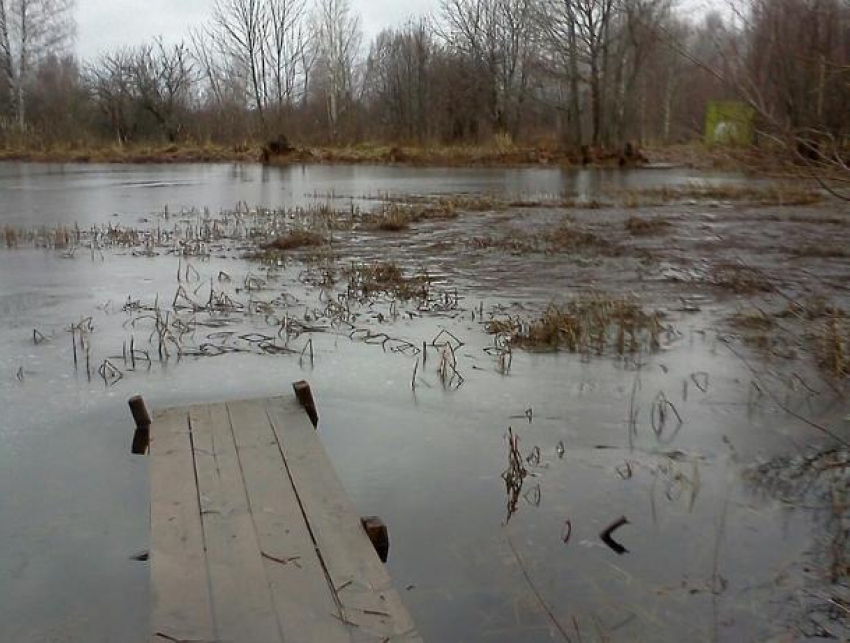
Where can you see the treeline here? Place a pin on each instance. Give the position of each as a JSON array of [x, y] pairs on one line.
[[563, 72]]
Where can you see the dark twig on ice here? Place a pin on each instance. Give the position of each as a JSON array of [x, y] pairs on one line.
[[567, 531], [609, 530], [514, 475]]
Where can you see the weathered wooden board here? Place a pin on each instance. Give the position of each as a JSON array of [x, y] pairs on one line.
[[359, 578], [253, 537], [286, 546], [182, 609]]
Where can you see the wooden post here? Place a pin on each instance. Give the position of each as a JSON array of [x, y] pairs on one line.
[[378, 534], [142, 434], [305, 399]]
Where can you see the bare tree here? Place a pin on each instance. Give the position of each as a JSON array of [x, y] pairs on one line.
[[603, 48], [266, 44], [638, 36], [592, 70], [398, 79], [211, 68], [111, 82], [239, 28], [163, 78], [58, 103], [339, 40], [30, 31], [498, 36], [560, 57], [593, 25], [287, 44]]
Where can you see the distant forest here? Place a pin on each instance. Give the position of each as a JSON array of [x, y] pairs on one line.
[[558, 72]]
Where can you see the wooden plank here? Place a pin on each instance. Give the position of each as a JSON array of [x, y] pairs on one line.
[[301, 592], [362, 583], [181, 598], [242, 605]]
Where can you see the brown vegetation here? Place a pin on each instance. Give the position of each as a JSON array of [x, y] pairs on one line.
[[185, 152], [567, 237], [753, 320], [740, 279], [774, 193], [588, 323], [834, 350], [391, 219], [10, 235], [642, 226], [368, 280], [822, 250], [396, 215], [296, 239]]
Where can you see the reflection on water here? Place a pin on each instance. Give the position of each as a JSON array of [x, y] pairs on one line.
[[36, 194], [529, 496]]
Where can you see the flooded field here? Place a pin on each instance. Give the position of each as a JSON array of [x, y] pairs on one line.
[[590, 405]]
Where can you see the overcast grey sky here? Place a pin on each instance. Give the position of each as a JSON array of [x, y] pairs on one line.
[[106, 24]]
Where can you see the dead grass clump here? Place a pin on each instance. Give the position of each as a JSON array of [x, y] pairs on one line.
[[740, 279], [61, 237], [295, 239], [834, 351], [822, 251], [506, 326], [568, 237], [10, 235], [758, 328], [641, 226], [515, 244], [818, 219], [420, 208], [812, 308], [391, 218], [753, 320], [589, 204], [474, 202], [783, 193], [588, 323], [369, 280], [786, 194]]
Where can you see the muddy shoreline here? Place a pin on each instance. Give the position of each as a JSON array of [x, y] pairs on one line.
[[695, 156]]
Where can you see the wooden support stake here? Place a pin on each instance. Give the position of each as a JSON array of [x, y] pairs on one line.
[[378, 534], [305, 399], [141, 436]]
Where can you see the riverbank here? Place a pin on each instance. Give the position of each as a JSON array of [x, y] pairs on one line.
[[364, 153], [488, 155], [183, 153]]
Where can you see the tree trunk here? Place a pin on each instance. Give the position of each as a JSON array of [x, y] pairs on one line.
[[575, 104], [595, 98], [22, 65], [8, 68]]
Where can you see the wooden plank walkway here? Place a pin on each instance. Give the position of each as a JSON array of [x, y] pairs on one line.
[[253, 539]]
